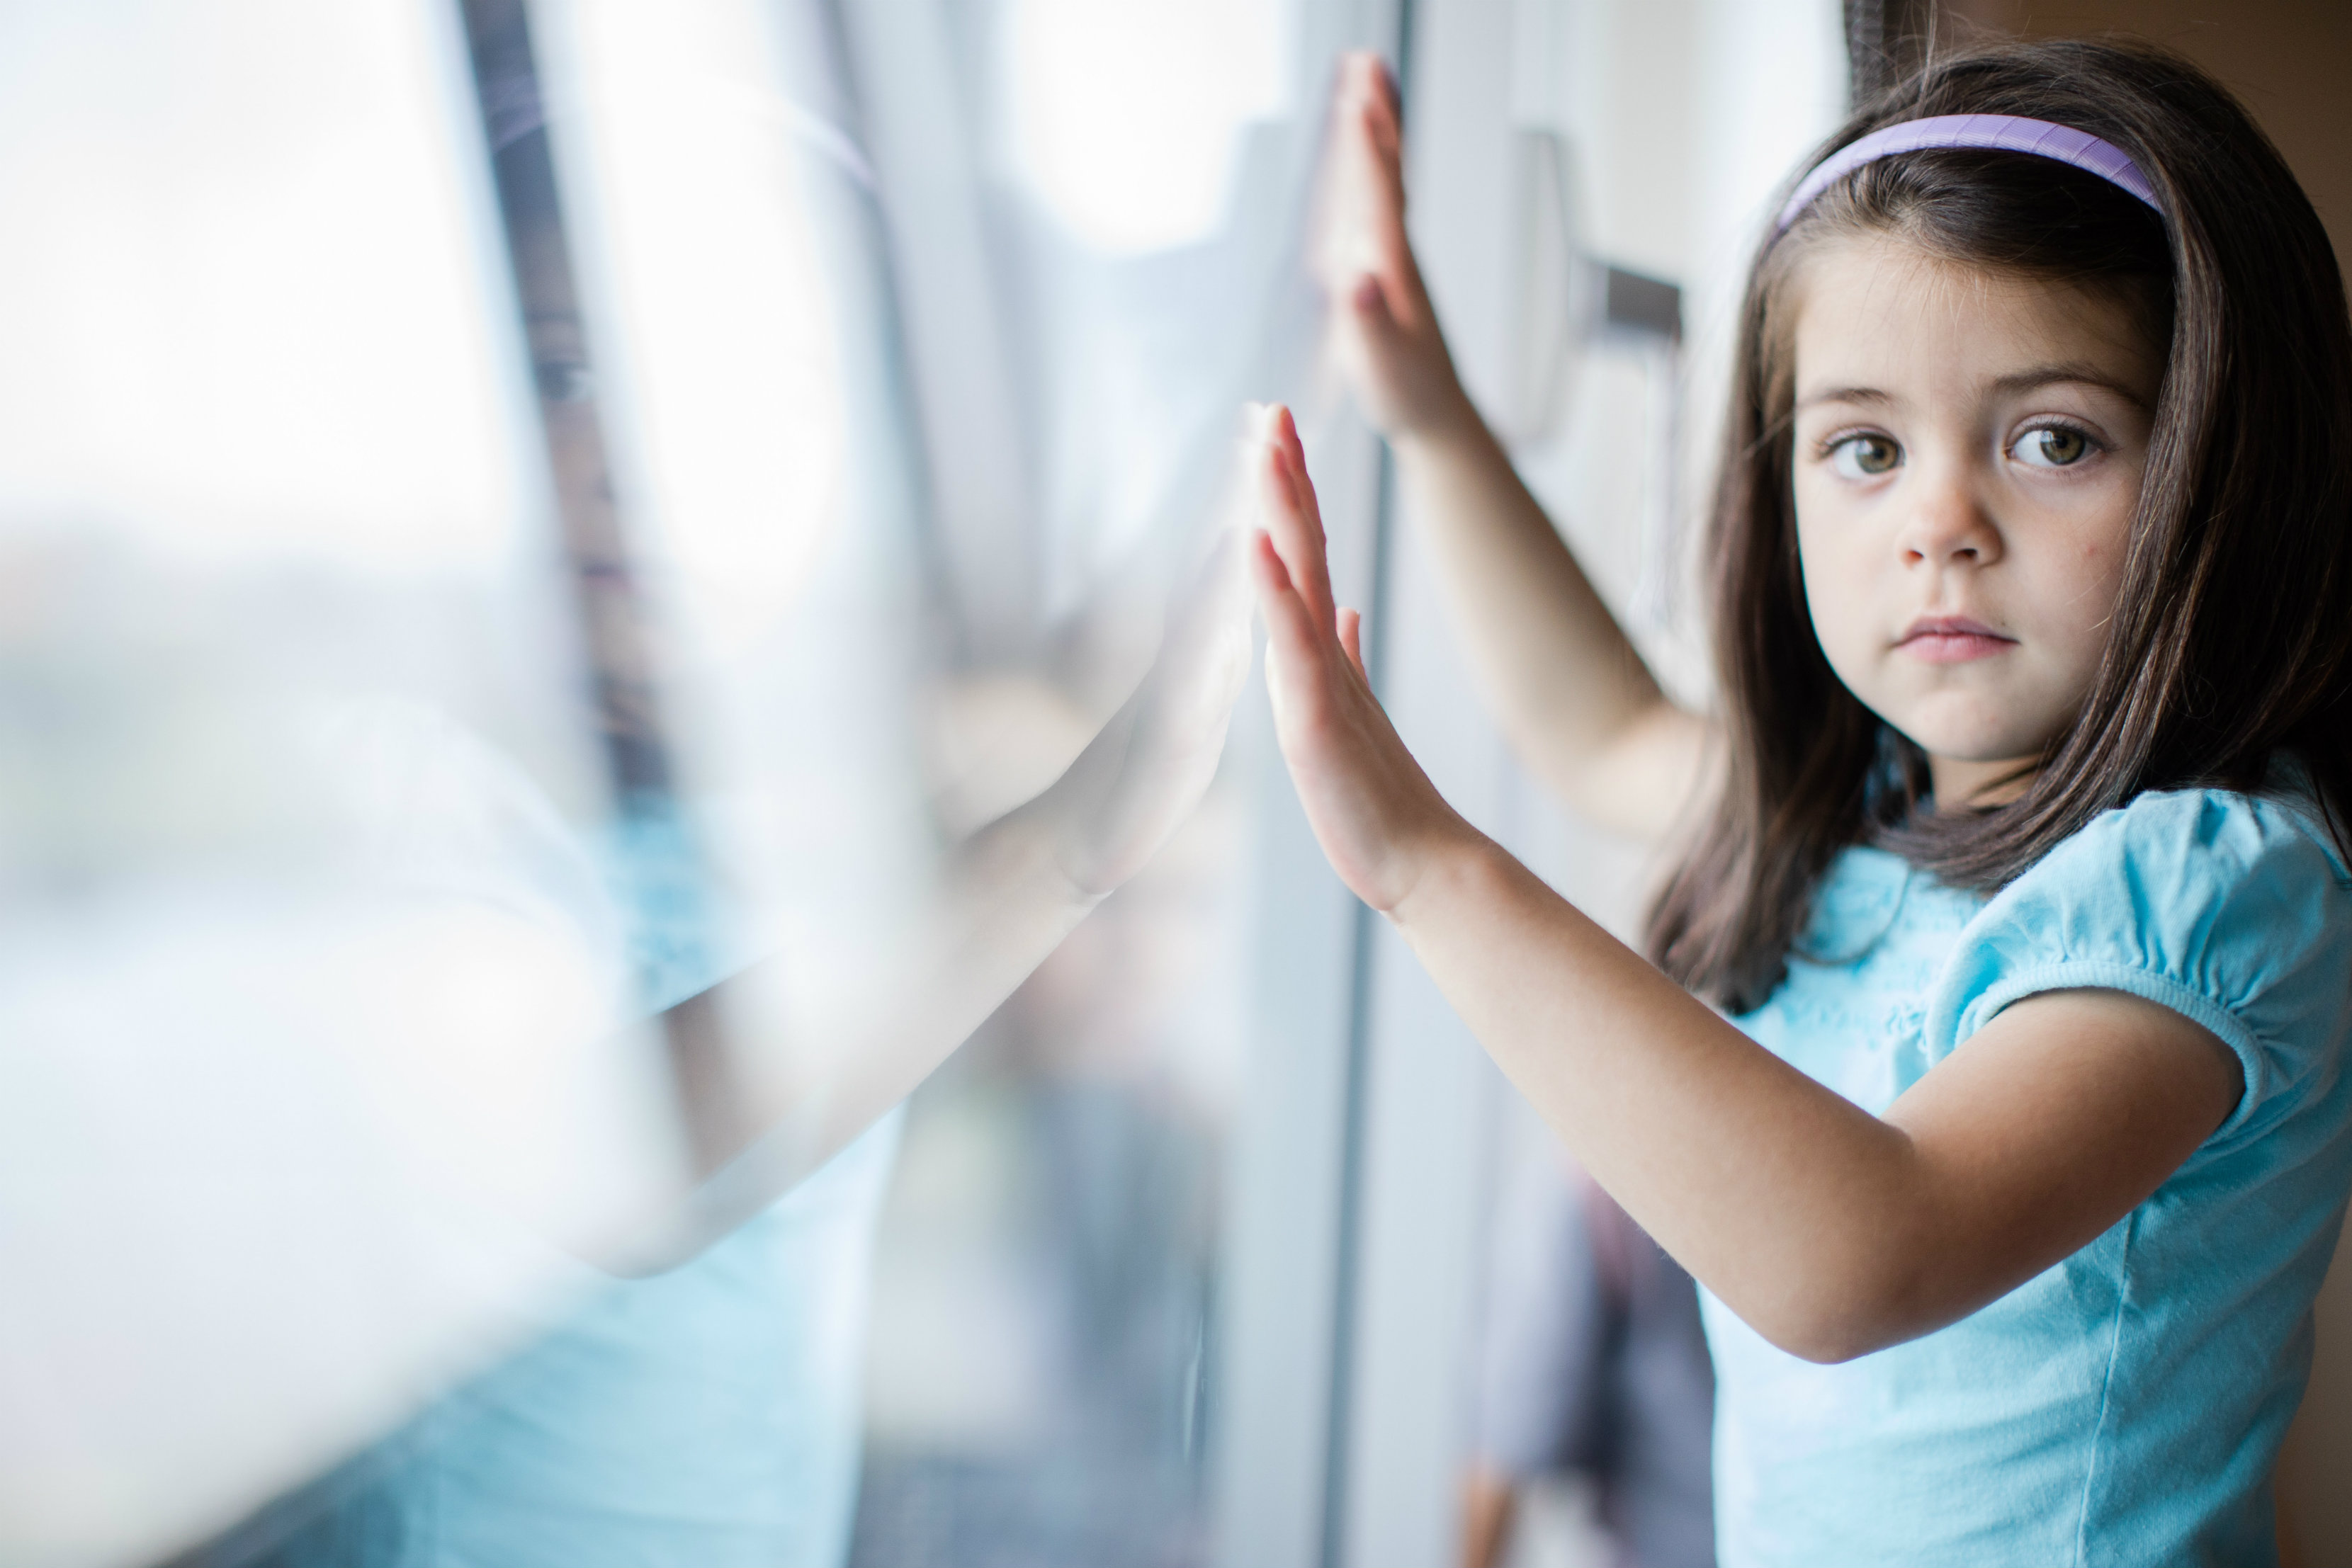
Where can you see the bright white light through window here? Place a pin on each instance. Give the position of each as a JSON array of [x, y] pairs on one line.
[[730, 331], [1125, 117]]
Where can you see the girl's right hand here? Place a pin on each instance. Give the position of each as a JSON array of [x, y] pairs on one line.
[[1383, 329], [1381, 822]]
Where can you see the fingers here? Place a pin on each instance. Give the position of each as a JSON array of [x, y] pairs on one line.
[[1351, 638], [1370, 119], [1361, 228], [1294, 522], [1374, 105], [1375, 270], [1290, 628], [1370, 92]]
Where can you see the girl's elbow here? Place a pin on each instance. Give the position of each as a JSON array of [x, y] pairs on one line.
[[1840, 1319], [1830, 1343]]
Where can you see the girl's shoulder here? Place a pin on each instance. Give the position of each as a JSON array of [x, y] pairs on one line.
[[2210, 838], [2233, 909], [2196, 879]]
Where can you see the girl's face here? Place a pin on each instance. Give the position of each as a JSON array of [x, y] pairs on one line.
[[1968, 453]]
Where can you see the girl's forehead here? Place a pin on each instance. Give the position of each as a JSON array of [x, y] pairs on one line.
[[1881, 307]]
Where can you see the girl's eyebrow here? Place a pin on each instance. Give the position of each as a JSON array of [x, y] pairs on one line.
[[1847, 394], [2073, 370]]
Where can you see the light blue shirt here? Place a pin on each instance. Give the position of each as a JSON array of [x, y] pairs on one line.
[[2124, 1407]]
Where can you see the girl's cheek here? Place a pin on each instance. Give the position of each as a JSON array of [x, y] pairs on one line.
[[2103, 564]]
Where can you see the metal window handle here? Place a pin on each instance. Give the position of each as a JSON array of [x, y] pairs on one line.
[[1567, 297]]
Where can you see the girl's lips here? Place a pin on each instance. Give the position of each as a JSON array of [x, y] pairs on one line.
[[1952, 640]]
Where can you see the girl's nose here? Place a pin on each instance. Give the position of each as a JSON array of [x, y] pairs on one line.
[[1947, 525]]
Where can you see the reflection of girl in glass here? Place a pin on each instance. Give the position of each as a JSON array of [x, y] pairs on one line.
[[707, 1416]]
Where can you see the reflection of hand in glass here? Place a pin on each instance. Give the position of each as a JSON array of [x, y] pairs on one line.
[[1147, 768], [767, 1106]]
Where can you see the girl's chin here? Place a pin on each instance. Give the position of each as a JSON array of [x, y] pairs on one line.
[[1991, 742]]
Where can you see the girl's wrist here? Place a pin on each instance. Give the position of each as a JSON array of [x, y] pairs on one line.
[[1451, 869], [1453, 424]]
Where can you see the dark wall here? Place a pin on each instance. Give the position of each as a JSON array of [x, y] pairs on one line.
[[2290, 62]]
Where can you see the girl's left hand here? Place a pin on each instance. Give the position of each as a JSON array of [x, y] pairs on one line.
[[1380, 819]]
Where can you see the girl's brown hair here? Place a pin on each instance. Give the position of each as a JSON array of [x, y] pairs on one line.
[[2232, 637]]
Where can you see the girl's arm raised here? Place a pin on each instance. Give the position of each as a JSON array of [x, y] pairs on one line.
[[1830, 1231], [1573, 695]]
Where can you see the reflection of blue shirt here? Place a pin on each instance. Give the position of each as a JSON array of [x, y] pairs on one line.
[[706, 1417], [2126, 1406]]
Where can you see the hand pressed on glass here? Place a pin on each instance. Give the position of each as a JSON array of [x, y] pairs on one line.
[[1374, 809], [1384, 331]]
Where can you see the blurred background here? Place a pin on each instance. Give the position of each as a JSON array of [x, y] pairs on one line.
[[512, 514]]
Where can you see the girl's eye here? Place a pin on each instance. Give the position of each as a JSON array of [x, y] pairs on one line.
[[1865, 457], [2052, 446]]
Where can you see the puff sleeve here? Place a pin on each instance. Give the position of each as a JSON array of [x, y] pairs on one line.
[[2232, 909]]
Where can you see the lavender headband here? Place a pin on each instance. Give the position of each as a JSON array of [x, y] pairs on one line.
[[1992, 133]]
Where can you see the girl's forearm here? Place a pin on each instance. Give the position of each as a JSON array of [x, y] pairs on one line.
[[1568, 686], [1801, 1211]]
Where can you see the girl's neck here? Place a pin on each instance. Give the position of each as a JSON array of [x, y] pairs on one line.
[[1962, 786]]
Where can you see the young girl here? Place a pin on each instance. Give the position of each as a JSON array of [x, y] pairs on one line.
[[2010, 1151]]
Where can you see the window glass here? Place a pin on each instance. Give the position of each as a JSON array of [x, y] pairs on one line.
[[298, 938], [533, 537]]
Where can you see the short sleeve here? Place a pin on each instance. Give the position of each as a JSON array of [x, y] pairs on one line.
[[2232, 909]]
